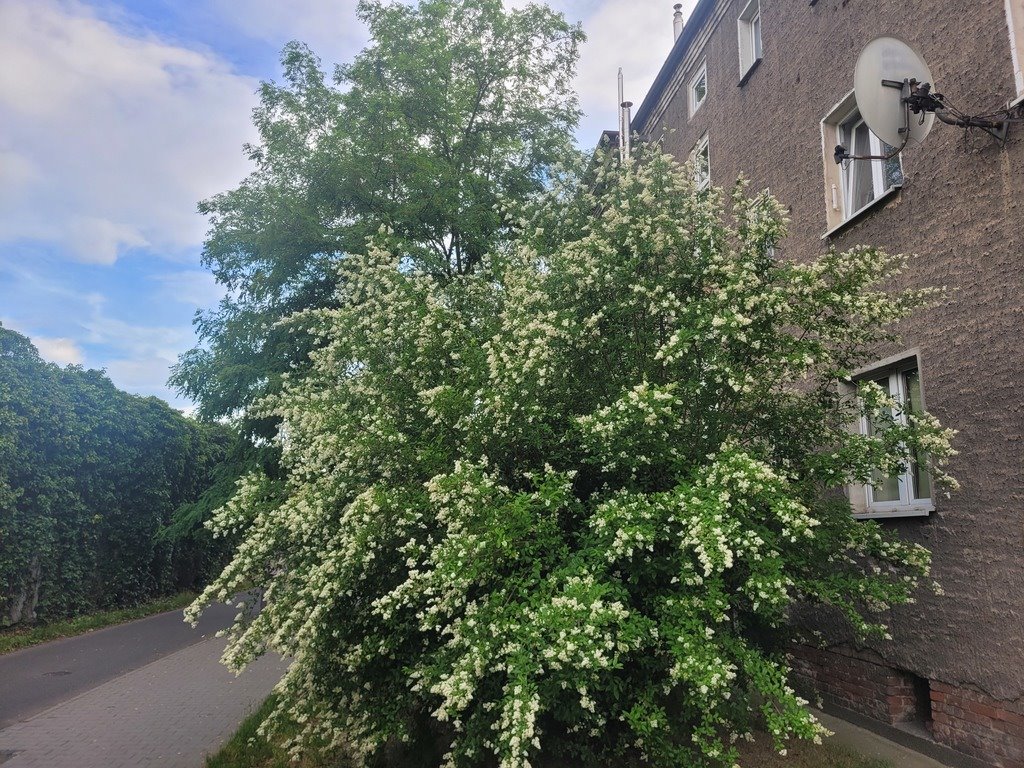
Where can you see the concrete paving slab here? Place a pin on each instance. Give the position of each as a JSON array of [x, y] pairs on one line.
[[171, 713]]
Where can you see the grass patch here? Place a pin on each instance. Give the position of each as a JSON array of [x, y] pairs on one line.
[[805, 755], [13, 638], [247, 750]]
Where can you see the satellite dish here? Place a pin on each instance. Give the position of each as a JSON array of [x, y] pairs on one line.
[[881, 105]]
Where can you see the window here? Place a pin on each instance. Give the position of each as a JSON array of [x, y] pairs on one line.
[[909, 493], [866, 180], [699, 88], [750, 37], [854, 185], [1015, 21], [700, 156]]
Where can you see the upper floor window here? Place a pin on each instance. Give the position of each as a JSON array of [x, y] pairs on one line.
[[855, 185], [866, 180], [750, 36], [1015, 21], [699, 88], [907, 493], [700, 156]]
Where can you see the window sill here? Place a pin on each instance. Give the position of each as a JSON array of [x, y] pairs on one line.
[[919, 509], [862, 212], [748, 73]]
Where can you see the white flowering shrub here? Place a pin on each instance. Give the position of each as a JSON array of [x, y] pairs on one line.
[[558, 511]]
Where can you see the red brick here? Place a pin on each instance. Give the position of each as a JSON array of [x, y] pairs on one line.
[[983, 709], [1011, 729], [963, 719]]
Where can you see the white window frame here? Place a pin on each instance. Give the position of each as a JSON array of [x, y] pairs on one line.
[[749, 31], [862, 495], [701, 74], [838, 178], [702, 147], [1015, 24], [878, 186]]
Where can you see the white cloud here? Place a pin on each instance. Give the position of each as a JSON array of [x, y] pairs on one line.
[[110, 137], [99, 241], [138, 358], [60, 350], [16, 171], [636, 36], [194, 287], [137, 340], [145, 376], [330, 27]]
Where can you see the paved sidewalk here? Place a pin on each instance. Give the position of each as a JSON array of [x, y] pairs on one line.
[[869, 744], [39, 677], [170, 713]]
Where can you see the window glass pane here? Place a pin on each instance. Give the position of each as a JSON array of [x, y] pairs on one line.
[[702, 165], [700, 90], [892, 174], [755, 30], [884, 488], [919, 466], [860, 188]]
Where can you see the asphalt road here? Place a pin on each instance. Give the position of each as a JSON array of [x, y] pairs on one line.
[[34, 679]]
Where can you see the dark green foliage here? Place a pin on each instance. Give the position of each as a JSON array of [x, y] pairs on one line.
[[89, 476], [223, 459]]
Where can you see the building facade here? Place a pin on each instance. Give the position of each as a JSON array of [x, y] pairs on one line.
[[763, 88]]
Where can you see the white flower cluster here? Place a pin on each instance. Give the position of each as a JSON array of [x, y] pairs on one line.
[[555, 496]]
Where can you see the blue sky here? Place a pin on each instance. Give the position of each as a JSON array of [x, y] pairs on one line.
[[117, 117]]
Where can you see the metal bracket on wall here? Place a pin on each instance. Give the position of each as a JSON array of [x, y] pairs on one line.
[[918, 99]]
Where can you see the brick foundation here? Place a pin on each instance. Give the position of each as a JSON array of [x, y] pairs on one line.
[[959, 718], [858, 683], [977, 725]]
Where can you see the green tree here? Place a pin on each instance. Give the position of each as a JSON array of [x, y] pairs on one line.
[[561, 506], [216, 460], [454, 106]]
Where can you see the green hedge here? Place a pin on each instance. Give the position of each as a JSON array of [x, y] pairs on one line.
[[89, 478]]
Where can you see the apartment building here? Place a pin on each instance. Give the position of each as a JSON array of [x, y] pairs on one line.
[[764, 88]]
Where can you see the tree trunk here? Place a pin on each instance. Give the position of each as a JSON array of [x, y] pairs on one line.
[[24, 602]]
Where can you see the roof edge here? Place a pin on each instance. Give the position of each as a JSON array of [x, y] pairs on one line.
[[668, 69]]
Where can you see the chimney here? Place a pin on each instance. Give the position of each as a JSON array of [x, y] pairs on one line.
[[627, 145], [677, 20]]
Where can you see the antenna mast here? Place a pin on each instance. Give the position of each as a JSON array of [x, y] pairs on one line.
[[624, 121]]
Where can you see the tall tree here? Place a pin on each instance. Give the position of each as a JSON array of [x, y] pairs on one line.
[[454, 106]]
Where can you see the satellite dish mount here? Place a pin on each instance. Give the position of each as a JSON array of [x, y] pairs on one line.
[[892, 86]]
